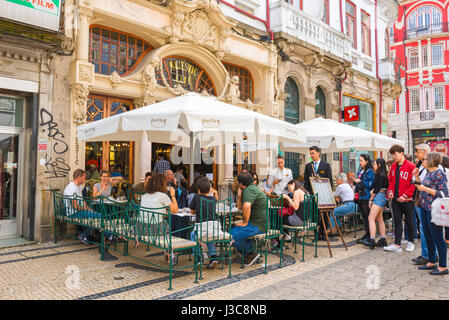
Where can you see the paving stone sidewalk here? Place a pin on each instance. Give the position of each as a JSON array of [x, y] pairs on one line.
[[370, 275]]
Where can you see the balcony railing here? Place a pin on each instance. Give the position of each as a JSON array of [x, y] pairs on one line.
[[296, 23], [429, 29]]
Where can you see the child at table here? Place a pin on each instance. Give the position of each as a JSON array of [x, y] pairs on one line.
[[205, 215]]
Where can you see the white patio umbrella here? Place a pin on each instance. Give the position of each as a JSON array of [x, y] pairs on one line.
[[332, 136], [177, 120]]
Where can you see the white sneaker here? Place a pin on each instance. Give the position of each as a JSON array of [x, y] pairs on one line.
[[410, 247], [287, 237], [393, 248], [403, 241]]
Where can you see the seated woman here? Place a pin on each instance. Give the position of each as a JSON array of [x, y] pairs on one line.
[[346, 194], [295, 199], [156, 200], [104, 187]]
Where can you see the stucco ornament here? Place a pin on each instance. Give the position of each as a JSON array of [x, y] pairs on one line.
[[198, 27], [233, 90], [80, 95], [115, 79], [150, 80], [175, 28]]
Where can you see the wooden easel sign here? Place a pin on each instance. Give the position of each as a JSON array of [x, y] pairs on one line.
[[323, 187]]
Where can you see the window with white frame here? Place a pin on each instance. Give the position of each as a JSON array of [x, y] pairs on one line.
[[438, 93], [425, 59], [393, 107], [413, 58], [424, 20], [366, 33], [414, 100], [437, 55]]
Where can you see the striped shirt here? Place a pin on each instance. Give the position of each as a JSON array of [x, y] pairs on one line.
[[161, 166]]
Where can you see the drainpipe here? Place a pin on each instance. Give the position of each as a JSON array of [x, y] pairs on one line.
[[344, 79], [377, 73], [341, 108], [265, 22]]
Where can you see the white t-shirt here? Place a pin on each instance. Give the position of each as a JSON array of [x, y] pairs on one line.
[[69, 191], [284, 176], [345, 192], [154, 200]]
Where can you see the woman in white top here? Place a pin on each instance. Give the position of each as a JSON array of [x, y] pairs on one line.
[[156, 200], [104, 187]]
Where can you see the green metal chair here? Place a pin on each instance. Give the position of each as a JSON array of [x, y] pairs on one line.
[[76, 210], [215, 228], [310, 224], [273, 230], [151, 226]]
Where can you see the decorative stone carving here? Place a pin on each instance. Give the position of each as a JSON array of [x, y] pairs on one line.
[[80, 96], [6, 66], [202, 22], [233, 94], [85, 73], [198, 27], [175, 27], [115, 79]]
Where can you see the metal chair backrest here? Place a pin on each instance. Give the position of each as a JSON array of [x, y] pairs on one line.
[[274, 214], [152, 225], [214, 224], [311, 212]]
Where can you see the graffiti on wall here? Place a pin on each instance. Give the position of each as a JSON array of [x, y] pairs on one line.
[[55, 167]]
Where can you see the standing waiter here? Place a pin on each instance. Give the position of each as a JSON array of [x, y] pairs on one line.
[[316, 168]]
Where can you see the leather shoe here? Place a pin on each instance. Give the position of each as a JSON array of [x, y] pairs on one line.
[[420, 260], [426, 267], [437, 272]]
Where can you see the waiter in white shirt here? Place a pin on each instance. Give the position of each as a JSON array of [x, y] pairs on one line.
[[279, 177]]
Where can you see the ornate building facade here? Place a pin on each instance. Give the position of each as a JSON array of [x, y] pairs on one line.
[[334, 54], [419, 45]]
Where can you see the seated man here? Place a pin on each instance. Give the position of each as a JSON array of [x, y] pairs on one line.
[[80, 209], [346, 195], [142, 187], [253, 202], [204, 212]]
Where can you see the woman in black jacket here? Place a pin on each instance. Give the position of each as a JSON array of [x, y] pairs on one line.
[[377, 203]]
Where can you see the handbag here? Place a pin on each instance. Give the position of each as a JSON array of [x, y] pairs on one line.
[[286, 211], [440, 211]]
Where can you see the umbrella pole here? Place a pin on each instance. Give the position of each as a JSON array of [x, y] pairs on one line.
[[192, 158]]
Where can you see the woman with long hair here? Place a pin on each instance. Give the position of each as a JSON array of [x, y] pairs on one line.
[[364, 181], [295, 199], [377, 203]]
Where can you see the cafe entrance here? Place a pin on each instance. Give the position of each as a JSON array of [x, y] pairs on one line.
[[110, 155]]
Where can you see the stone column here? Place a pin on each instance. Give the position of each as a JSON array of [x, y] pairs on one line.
[[145, 158]]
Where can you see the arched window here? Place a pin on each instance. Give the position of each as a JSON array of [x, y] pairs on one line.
[[185, 72], [424, 20], [111, 50], [246, 83], [320, 99], [291, 106]]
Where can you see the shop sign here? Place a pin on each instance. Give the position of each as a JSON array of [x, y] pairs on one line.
[[352, 113], [428, 115], [40, 13], [440, 147]]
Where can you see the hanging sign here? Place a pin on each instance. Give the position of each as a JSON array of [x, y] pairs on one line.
[[352, 113]]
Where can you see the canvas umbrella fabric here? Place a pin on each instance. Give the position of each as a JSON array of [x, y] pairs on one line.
[[183, 119], [332, 136]]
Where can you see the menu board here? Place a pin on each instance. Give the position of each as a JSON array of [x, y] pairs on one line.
[[323, 187]]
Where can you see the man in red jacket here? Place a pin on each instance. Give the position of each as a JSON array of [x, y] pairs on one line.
[[400, 190]]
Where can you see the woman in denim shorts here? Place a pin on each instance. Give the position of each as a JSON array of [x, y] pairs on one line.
[[377, 203]]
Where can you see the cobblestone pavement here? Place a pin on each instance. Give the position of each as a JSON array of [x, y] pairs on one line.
[[371, 275], [45, 271]]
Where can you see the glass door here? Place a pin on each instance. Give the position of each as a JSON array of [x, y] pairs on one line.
[[9, 166]]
